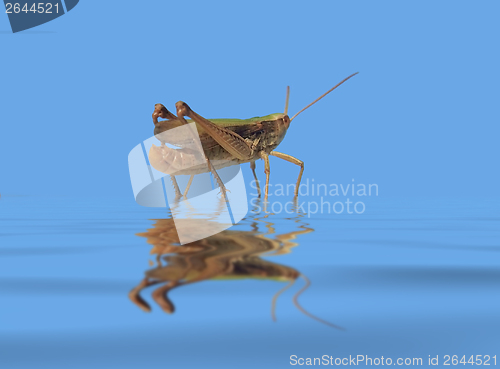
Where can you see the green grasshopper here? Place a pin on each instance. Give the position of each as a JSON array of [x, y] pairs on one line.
[[224, 141]]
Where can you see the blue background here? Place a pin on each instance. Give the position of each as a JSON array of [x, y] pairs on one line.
[[415, 275], [421, 118]]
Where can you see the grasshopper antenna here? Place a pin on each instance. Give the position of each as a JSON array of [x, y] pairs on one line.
[[308, 283], [275, 298], [322, 96], [287, 98]]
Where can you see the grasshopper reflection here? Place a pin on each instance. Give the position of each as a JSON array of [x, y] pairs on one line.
[[230, 254]]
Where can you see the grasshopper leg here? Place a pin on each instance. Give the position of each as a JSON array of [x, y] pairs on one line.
[[188, 185], [176, 186], [293, 160], [162, 112], [232, 142], [267, 170], [184, 110], [252, 166]]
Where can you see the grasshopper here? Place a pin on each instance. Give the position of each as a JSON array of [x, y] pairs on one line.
[[225, 141]]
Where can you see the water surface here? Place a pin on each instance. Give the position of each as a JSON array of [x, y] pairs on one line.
[[406, 279]]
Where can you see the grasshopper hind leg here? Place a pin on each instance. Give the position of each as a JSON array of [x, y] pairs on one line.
[[227, 139], [188, 186], [178, 193]]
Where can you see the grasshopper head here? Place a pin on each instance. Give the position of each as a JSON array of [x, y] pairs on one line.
[[285, 119], [280, 119]]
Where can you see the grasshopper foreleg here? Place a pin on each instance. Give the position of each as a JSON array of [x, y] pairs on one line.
[[293, 160]]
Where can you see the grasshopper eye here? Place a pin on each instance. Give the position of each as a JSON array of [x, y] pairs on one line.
[[286, 119]]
